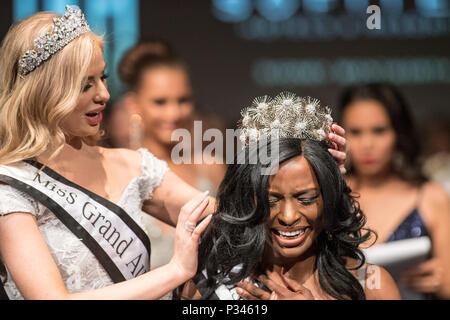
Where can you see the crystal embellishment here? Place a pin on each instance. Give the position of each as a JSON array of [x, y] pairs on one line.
[[65, 30], [285, 116]]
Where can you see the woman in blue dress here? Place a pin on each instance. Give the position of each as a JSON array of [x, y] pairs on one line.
[[385, 171]]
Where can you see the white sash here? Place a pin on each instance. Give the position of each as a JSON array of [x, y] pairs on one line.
[[116, 240]]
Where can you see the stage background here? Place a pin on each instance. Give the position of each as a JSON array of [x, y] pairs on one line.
[[239, 49]]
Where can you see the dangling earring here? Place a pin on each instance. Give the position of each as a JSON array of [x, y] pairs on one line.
[[136, 131], [398, 161]]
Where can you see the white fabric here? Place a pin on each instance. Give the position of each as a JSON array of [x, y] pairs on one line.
[[79, 268]]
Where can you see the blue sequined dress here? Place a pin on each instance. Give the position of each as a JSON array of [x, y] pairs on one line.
[[412, 226]]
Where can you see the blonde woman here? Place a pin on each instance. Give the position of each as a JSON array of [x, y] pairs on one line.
[[70, 212], [80, 221]]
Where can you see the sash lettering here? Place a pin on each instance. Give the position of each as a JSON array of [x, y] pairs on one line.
[[120, 245]]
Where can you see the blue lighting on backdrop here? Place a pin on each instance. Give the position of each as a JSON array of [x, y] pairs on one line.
[[295, 20], [319, 6], [356, 6], [232, 10], [392, 6], [277, 10], [117, 20], [235, 11], [434, 8]]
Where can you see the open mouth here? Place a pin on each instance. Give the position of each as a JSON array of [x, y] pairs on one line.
[[292, 238], [95, 117]]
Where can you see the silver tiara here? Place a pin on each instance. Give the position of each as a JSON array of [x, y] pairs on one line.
[[286, 116], [65, 29]]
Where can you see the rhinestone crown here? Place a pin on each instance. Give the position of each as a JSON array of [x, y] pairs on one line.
[[285, 116], [65, 30]]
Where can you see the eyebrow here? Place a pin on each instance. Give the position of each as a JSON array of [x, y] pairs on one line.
[[300, 193], [103, 72]]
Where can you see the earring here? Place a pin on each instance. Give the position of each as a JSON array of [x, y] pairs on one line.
[[398, 161], [136, 128]]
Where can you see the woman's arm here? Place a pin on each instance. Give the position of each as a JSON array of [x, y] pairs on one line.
[[36, 275], [170, 196], [433, 276], [440, 236]]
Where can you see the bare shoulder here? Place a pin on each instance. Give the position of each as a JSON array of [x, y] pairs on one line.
[[435, 202], [379, 284], [434, 193]]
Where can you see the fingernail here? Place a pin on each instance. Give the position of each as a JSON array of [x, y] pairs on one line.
[[239, 290]]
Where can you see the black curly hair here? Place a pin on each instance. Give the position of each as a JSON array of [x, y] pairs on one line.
[[237, 233]]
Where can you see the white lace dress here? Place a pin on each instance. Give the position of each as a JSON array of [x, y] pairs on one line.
[[79, 268]]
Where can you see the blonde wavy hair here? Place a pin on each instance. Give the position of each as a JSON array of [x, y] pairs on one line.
[[32, 107]]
